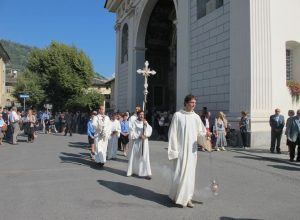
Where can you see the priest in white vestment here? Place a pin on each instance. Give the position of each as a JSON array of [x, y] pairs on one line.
[[112, 147], [185, 131], [139, 159], [102, 126]]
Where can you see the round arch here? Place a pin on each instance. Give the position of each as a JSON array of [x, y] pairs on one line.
[[143, 19]]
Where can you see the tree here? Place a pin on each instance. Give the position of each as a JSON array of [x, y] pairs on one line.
[[87, 101], [30, 84], [65, 72]]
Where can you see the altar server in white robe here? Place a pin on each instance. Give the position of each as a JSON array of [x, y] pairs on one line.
[[185, 131], [102, 126], [139, 159], [132, 119], [112, 146]]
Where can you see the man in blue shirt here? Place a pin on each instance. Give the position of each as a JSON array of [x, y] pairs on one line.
[[44, 119], [124, 133]]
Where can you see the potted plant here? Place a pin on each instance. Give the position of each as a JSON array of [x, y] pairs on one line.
[[294, 88]]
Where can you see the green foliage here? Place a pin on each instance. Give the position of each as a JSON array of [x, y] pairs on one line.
[[87, 101], [64, 72], [294, 88], [18, 54], [30, 84]]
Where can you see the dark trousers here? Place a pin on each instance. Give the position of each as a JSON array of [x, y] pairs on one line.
[[30, 133], [275, 138], [68, 129], [244, 136], [293, 149]]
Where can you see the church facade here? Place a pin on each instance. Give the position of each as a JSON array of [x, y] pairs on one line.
[[233, 55]]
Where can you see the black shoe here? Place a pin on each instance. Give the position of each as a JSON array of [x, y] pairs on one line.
[[279, 152], [291, 159], [271, 151], [298, 159]]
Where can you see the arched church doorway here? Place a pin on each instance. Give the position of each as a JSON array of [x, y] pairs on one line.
[[161, 52]]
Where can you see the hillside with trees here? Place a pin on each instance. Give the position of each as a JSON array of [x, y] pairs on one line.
[[18, 54]]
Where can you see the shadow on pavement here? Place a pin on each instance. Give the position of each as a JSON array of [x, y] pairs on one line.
[[84, 159], [285, 167], [229, 218], [264, 158], [78, 145], [139, 192]]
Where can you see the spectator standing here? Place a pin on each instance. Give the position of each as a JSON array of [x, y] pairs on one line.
[[220, 132], [277, 124], [31, 120], [68, 121], [124, 134], [244, 128], [44, 120], [293, 133], [3, 127], [291, 114], [14, 120]]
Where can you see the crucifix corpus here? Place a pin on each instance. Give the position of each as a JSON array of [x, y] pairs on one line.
[[146, 72]]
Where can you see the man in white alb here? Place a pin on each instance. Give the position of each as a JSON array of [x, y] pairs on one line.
[[139, 159], [185, 132], [102, 126], [112, 147]]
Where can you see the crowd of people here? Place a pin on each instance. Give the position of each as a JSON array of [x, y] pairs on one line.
[[15, 121], [292, 132]]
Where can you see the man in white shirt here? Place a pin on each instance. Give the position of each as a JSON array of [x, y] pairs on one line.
[[14, 119]]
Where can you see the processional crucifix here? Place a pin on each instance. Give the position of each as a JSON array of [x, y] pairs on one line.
[[146, 72]]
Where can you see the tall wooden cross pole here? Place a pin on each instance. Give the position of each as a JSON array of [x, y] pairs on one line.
[[146, 72]]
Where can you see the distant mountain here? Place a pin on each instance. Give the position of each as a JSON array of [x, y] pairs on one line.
[[18, 54]]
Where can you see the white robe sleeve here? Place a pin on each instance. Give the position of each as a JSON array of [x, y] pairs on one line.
[[107, 127], [119, 129], [133, 134], [148, 131], [201, 135], [173, 151], [97, 125]]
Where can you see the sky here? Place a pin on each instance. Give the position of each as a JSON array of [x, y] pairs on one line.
[[81, 23]]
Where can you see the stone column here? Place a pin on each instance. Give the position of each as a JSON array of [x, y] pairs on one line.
[[117, 64], [183, 52]]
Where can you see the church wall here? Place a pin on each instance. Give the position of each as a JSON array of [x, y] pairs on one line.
[[210, 57], [279, 21]]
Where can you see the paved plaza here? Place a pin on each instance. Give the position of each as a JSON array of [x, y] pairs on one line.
[[54, 178]]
